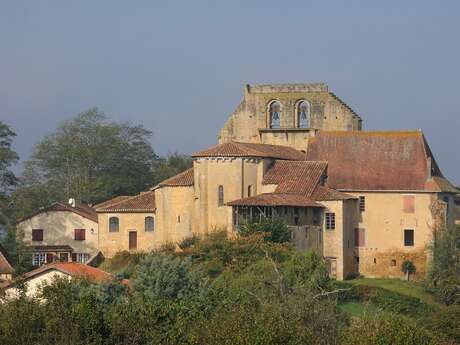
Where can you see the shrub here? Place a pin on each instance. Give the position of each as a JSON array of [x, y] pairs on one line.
[[386, 329], [275, 230], [306, 270], [408, 268], [188, 242], [445, 322], [166, 276]]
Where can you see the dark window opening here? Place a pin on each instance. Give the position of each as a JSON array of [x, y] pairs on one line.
[[393, 262], [330, 221], [408, 238], [362, 203], [220, 196]]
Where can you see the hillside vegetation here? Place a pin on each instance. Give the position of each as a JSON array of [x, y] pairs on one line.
[[248, 290]]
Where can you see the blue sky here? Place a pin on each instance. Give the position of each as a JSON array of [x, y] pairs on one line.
[[178, 67]]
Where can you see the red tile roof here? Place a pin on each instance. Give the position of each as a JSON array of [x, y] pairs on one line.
[[111, 201], [377, 161], [5, 267], [144, 202], [80, 209], [237, 149], [73, 269], [274, 199], [323, 193], [183, 179], [295, 177]]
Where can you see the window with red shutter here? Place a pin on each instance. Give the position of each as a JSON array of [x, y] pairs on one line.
[[80, 234], [37, 235], [409, 204]]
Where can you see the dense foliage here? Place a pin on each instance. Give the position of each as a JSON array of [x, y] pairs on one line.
[[444, 275], [275, 230], [214, 291]]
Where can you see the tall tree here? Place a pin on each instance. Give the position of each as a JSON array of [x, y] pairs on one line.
[[8, 180], [89, 158]]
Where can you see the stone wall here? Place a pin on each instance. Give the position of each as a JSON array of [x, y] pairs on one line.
[[111, 243]]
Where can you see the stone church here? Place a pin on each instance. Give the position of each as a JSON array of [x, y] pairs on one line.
[[365, 201]]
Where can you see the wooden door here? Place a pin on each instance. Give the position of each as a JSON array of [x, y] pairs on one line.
[[132, 240]]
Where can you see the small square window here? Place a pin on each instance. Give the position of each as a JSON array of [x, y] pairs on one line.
[[408, 238], [393, 262], [362, 203], [330, 221]]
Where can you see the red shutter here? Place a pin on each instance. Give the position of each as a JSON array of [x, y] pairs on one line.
[[80, 234], [74, 257], [408, 204], [37, 234]]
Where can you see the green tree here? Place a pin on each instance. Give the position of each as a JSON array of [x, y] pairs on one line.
[[444, 274], [88, 158], [276, 229], [8, 180], [170, 165]]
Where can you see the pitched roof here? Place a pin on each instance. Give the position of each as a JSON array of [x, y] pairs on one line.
[[143, 202], [275, 199], [5, 267], [111, 201], [323, 193], [237, 149], [377, 161], [73, 269], [183, 179], [295, 177], [80, 209]]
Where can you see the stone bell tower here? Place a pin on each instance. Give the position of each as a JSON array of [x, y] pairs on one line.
[[288, 114]]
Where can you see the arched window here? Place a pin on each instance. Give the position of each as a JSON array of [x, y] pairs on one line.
[[303, 114], [220, 196], [149, 224], [275, 114], [114, 224]]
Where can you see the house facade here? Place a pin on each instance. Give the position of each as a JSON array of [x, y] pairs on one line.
[[63, 232], [6, 270], [127, 223]]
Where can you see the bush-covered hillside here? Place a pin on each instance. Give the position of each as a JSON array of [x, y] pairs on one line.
[[219, 291]]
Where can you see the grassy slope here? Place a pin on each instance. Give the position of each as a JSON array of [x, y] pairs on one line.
[[402, 287]]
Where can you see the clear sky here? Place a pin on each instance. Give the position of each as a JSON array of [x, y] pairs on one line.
[[179, 67]]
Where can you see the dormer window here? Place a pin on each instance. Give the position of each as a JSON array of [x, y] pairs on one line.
[[303, 114], [275, 114]]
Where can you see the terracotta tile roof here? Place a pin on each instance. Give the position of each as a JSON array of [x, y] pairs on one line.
[[237, 149], [73, 269], [80, 209], [295, 177], [111, 201], [377, 161], [323, 193], [183, 179], [5, 267], [144, 202], [274, 199]]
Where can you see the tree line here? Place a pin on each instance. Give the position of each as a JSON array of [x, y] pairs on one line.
[[89, 157]]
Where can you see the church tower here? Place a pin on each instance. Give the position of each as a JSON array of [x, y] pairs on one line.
[[288, 114]]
